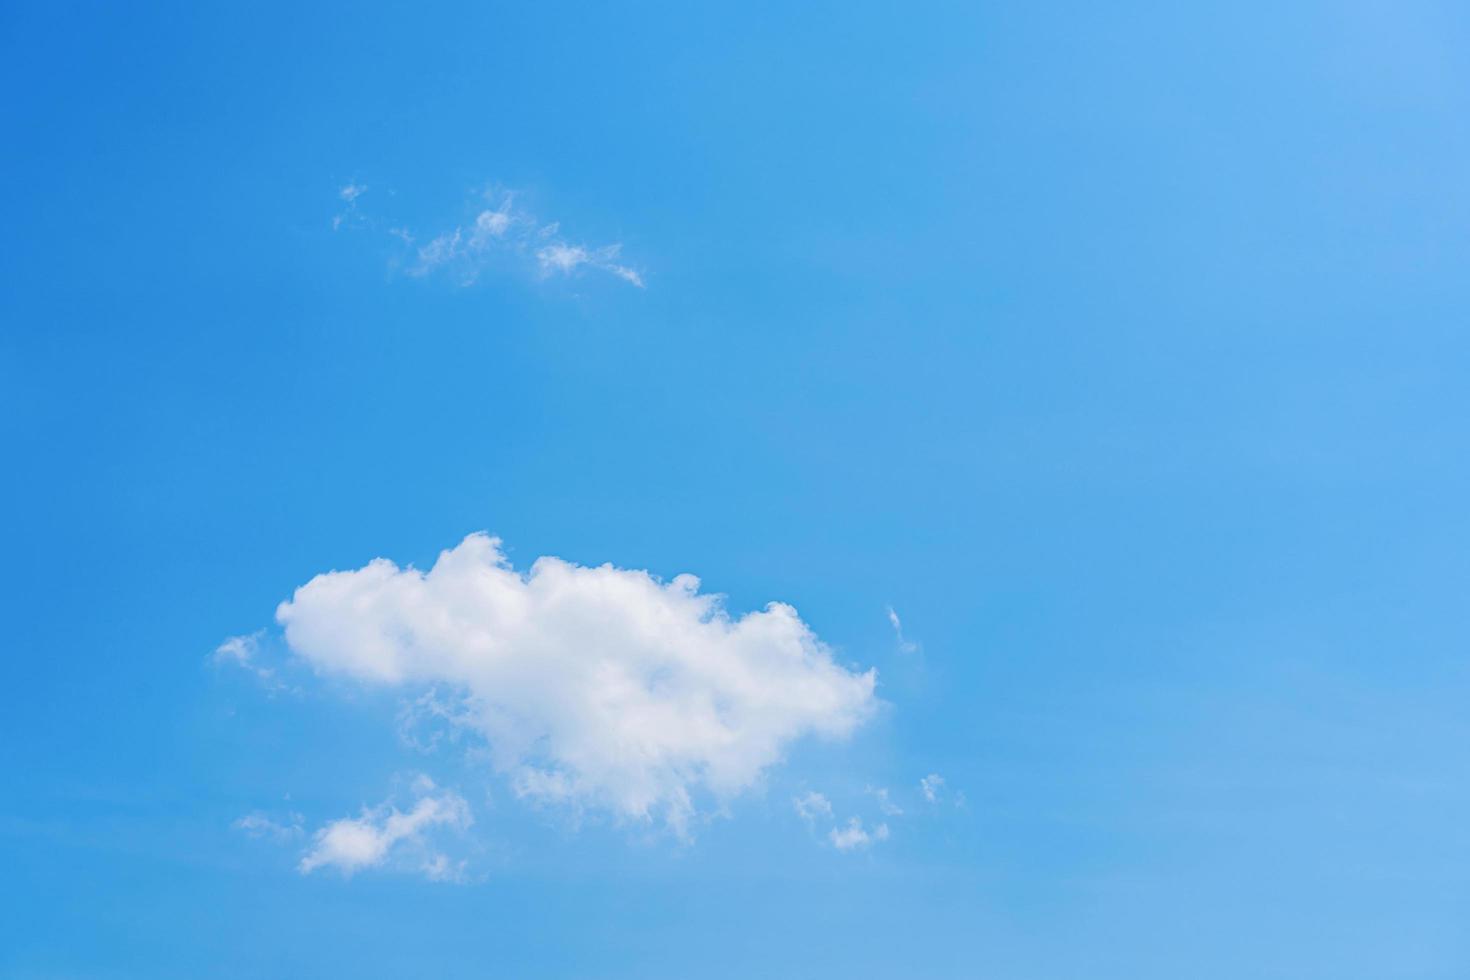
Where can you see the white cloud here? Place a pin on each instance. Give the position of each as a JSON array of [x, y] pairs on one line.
[[383, 832], [816, 810], [432, 718], [931, 786], [594, 687], [853, 836], [904, 645], [559, 257], [810, 806], [239, 651], [440, 250], [259, 826], [490, 225], [887, 806], [349, 194], [244, 653], [508, 230], [438, 867]]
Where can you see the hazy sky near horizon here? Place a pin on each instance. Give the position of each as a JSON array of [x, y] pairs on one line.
[[730, 490]]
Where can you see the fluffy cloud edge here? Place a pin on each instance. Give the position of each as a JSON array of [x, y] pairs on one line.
[[595, 687]]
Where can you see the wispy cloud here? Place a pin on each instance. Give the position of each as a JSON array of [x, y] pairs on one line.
[[886, 805], [348, 195], [904, 645], [261, 826], [245, 653], [867, 827], [499, 232], [563, 259], [432, 718], [811, 806], [817, 812]]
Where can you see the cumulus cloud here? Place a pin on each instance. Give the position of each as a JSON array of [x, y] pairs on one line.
[[592, 687], [931, 786], [384, 833], [853, 836]]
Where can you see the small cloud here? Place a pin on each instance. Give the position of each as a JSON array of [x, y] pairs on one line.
[[492, 224], [349, 194], [561, 258], [384, 834], [626, 274], [931, 786], [565, 259], [261, 827], [244, 653], [240, 651], [887, 806], [440, 250], [904, 645], [439, 868], [506, 233], [853, 836], [543, 785], [810, 806]]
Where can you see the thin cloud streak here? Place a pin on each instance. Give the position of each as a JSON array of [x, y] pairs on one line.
[[501, 234]]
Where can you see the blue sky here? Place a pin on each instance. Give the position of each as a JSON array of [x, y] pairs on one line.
[[1117, 349]]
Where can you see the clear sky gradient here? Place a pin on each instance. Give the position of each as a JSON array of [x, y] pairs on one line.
[[1119, 349]]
